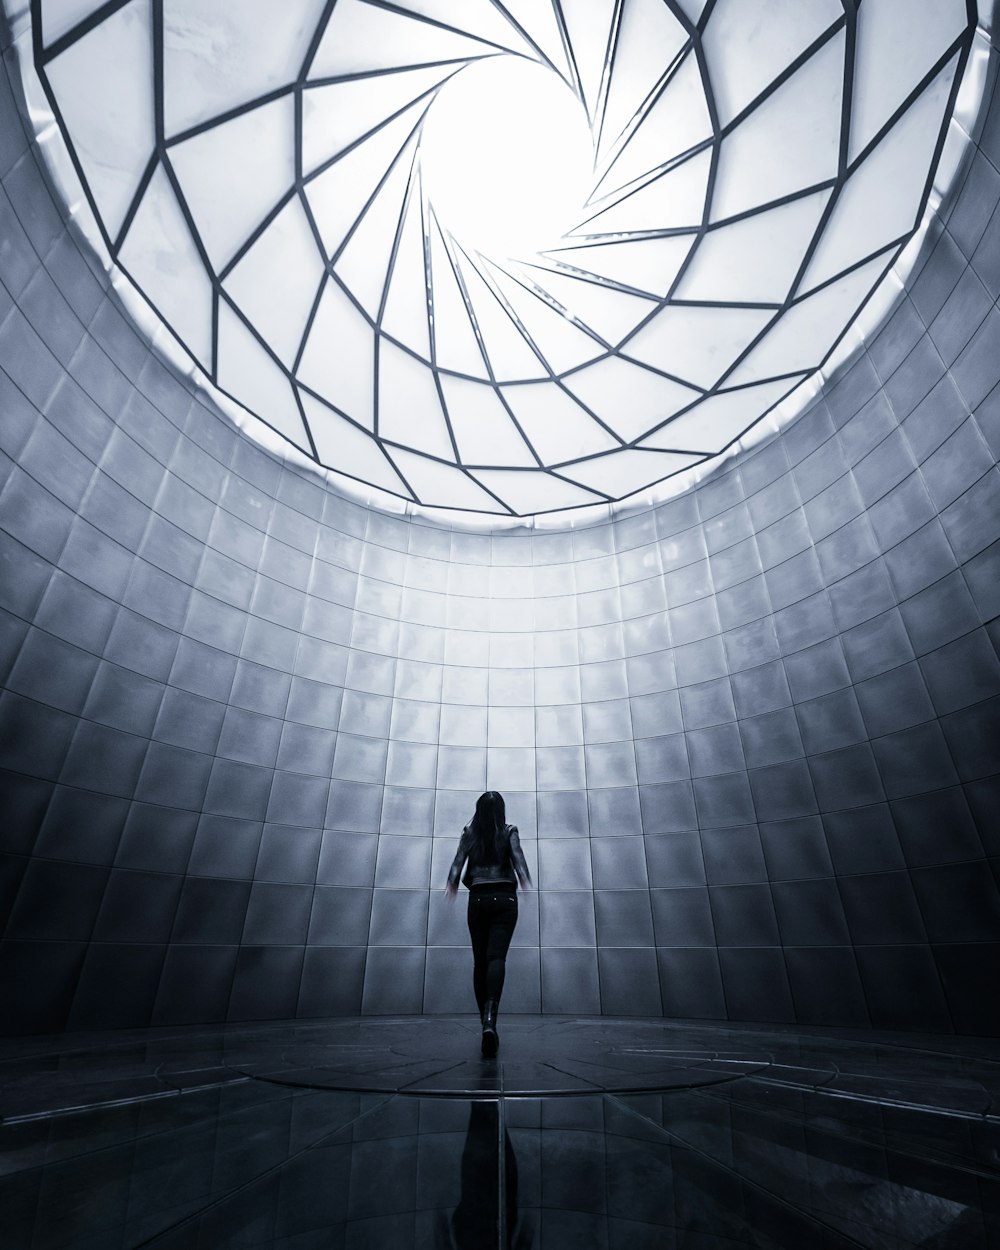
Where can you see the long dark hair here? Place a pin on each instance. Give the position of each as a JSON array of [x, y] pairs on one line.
[[489, 828]]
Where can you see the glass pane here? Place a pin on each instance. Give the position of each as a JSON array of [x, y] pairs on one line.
[[651, 398], [233, 175], [697, 345], [455, 345], [405, 314], [277, 281], [789, 142], [531, 490], [160, 256], [693, 8], [58, 18], [749, 42], [610, 313], [808, 330], [881, 198], [672, 201], [409, 406], [643, 264], [478, 18], [538, 20], [624, 472], [509, 355], [214, 58], [339, 359], [719, 419], [588, 24], [344, 447], [559, 341], [649, 37], [442, 483], [886, 67], [364, 261], [677, 121], [103, 83], [482, 426], [337, 115], [555, 425], [754, 260], [361, 37], [339, 195], [251, 376]]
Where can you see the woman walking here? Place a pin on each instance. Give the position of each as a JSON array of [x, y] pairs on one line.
[[495, 867]]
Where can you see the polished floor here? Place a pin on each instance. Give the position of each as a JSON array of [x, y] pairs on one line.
[[373, 1133]]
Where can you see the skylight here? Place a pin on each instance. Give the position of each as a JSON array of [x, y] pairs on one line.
[[505, 257]]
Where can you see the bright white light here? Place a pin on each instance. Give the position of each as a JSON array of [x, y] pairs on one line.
[[507, 157]]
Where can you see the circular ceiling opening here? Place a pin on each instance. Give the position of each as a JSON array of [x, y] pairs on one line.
[[510, 257]]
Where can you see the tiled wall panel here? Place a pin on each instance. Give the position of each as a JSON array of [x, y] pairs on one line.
[[749, 736]]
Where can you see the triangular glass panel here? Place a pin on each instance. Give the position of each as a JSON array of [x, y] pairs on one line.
[[250, 375], [672, 201], [361, 37], [554, 423], [104, 86], [59, 19], [338, 114], [642, 264], [887, 68], [160, 257], [441, 485], [363, 262], [790, 141], [622, 473], [755, 259], [405, 315], [588, 25], [748, 45], [233, 174], [720, 418], [538, 20], [277, 281], [480, 19], [882, 197], [455, 343], [526, 491], [628, 397], [697, 344], [342, 446], [648, 39], [563, 345], [482, 426], [610, 313], [215, 59], [806, 332], [675, 122], [509, 354], [409, 406], [339, 358]]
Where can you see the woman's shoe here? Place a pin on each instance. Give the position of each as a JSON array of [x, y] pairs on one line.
[[490, 1039]]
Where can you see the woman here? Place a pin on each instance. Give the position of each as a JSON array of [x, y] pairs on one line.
[[496, 865]]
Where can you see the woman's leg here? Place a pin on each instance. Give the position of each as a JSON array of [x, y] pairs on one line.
[[503, 920], [479, 931]]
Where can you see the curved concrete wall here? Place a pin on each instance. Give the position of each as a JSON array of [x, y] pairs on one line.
[[749, 736]]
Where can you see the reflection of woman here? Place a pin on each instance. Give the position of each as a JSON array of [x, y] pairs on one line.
[[495, 866]]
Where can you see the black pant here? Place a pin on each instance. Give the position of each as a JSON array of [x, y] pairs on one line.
[[492, 917]]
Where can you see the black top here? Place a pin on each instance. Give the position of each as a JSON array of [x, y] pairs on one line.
[[511, 869]]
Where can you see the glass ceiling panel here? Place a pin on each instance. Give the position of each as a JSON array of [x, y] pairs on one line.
[[232, 175], [537, 237], [104, 80]]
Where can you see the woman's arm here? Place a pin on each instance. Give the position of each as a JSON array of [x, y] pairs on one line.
[[517, 858], [455, 871]]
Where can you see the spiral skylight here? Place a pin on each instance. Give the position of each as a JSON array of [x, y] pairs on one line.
[[507, 257]]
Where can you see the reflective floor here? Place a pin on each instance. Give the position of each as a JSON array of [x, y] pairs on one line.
[[582, 1133]]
